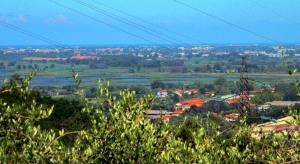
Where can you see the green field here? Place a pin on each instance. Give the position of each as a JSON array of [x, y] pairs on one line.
[[61, 75]]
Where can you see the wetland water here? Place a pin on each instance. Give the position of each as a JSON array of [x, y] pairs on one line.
[[49, 80]]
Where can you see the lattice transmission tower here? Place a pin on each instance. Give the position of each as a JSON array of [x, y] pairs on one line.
[[243, 105]]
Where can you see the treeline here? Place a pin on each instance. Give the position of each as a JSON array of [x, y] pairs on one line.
[[127, 61], [213, 63]]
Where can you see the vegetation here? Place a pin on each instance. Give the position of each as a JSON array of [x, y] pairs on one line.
[[126, 69], [266, 96], [116, 130]]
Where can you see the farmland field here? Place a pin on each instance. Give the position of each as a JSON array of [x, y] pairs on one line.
[[61, 75]]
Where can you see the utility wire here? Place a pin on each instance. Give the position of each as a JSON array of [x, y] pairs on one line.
[[100, 21], [128, 22], [226, 22], [275, 12], [31, 34], [145, 21]]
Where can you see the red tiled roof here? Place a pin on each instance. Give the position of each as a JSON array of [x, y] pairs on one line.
[[180, 91], [194, 91], [236, 99], [232, 116], [178, 112], [252, 105], [285, 127], [83, 57], [166, 117], [193, 102]]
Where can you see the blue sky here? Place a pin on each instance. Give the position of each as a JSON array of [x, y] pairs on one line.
[[276, 19]]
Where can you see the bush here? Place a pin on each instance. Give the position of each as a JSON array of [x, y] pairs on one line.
[[125, 135]]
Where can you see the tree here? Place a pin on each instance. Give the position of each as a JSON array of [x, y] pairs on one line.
[[93, 90], [16, 78], [214, 106], [131, 70], [166, 104], [289, 91], [185, 70], [19, 67], [220, 81], [124, 134], [266, 96], [52, 66], [175, 98], [157, 84], [197, 69], [140, 90], [138, 68], [21, 140], [208, 68], [2, 66], [45, 68], [11, 64], [36, 66]]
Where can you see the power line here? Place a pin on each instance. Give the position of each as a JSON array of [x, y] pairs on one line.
[[100, 21], [275, 12], [144, 21], [226, 22], [31, 34], [129, 22]]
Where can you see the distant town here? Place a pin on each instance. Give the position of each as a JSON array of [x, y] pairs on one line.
[[159, 51]]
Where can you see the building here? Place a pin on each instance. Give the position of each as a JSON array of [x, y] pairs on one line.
[[166, 117], [177, 112], [232, 117], [278, 126], [189, 92], [197, 102], [83, 57], [162, 93], [179, 92], [264, 107], [228, 96], [43, 59], [155, 114], [236, 99], [283, 103], [210, 93], [192, 91]]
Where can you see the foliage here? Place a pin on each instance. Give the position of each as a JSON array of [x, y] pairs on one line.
[[157, 85], [289, 91], [125, 135], [266, 96]]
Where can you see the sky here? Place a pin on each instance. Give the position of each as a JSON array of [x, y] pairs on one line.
[[150, 22]]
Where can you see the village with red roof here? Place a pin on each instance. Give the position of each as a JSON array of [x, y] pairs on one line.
[[83, 57]]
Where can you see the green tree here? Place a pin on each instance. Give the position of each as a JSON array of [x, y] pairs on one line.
[[52, 66], [124, 134], [157, 84], [266, 96]]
